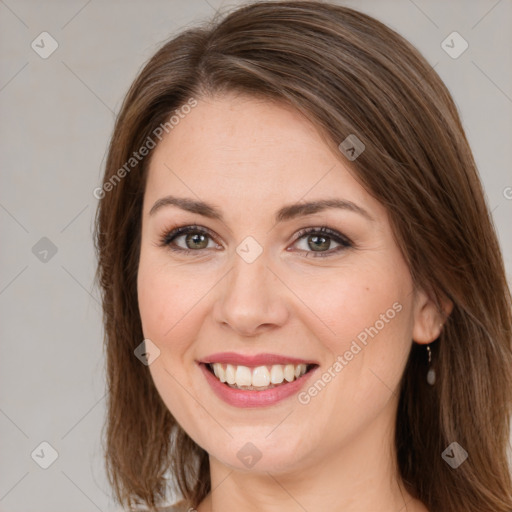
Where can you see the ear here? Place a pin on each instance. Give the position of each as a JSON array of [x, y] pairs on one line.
[[429, 316]]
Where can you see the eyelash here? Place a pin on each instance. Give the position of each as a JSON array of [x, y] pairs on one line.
[[168, 237]]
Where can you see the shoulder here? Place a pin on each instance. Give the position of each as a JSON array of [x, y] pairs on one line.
[[180, 506]]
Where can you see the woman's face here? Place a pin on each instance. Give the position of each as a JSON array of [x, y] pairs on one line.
[[255, 277]]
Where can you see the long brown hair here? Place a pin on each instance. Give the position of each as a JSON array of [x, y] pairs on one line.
[[349, 74]]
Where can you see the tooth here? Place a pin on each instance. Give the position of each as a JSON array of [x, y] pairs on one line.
[[300, 369], [260, 376], [243, 376], [276, 374], [219, 372], [230, 374], [289, 372]]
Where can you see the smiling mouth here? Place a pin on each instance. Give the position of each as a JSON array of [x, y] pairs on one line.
[[258, 378]]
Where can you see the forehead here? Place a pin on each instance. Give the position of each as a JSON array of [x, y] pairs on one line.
[[234, 147], [231, 127]]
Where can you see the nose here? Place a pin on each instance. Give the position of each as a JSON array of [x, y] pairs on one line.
[[252, 298]]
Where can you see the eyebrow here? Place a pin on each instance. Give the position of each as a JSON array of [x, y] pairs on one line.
[[285, 213]]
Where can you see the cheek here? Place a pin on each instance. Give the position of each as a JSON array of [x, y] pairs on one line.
[[350, 301], [368, 312], [170, 310], [169, 299], [167, 320]]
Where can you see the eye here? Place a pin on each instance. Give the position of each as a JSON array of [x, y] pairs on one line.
[[192, 238], [318, 241]]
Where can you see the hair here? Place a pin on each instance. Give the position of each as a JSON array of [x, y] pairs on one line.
[[349, 74]]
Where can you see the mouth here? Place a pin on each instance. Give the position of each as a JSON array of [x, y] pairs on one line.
[[258, 378]]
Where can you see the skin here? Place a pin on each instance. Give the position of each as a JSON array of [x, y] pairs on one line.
[[250, 157]]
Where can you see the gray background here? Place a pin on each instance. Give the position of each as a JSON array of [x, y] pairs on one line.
[[57, 115]]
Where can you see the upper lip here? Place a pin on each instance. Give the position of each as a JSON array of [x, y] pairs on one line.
[[253, 360]]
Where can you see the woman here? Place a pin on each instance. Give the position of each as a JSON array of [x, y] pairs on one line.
[[305, 302]]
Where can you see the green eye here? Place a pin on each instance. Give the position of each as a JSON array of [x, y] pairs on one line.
[[319, 241], [195, 239]]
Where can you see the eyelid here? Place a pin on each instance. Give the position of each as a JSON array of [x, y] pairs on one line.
[[332, 233], [342, 240], [170, 234]]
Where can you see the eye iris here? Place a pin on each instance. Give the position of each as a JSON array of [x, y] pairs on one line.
[[196, 238], [322, 241]]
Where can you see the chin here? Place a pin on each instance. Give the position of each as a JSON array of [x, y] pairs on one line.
[[253, 453]]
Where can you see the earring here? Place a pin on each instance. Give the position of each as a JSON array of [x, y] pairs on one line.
[[431, 374]]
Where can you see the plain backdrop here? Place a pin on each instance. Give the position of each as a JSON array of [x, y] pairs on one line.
[[57, 115]]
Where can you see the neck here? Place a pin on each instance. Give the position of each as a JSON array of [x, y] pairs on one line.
[[359, 475]]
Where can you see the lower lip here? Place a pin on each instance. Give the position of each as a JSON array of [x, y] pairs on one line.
[[247, 398]]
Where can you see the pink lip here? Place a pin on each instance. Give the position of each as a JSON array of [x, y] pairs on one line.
[[254, 360], [246, 398]]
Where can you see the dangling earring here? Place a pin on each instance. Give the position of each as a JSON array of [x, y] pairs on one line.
[[431, 374]]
